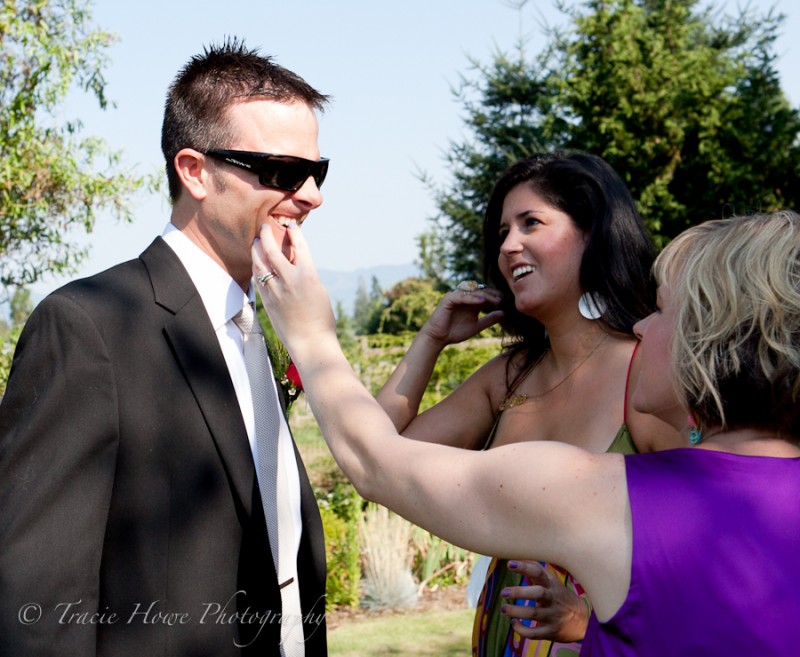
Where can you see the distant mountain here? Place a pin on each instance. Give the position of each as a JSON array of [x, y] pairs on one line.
[[342, 286]]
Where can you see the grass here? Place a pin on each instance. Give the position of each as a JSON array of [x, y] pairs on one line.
[[316, 456], [428, 634]]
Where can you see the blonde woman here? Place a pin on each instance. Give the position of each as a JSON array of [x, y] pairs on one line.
[[687, 551]]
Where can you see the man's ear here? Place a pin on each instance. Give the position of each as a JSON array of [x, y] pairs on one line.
[[190, 166]]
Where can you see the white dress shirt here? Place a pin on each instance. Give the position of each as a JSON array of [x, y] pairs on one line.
[[223, 299]]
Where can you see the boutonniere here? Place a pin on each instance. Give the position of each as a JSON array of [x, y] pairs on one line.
[[291, 382], [285, 372], [283, 369]]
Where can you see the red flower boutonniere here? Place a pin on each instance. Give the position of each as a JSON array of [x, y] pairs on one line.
[[283, 369], [291, 379], [291, 386]]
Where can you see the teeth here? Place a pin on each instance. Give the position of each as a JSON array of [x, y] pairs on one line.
[[519, 272], [282, 221]]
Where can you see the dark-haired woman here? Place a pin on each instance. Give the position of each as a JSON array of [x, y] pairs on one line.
[[568, 259]]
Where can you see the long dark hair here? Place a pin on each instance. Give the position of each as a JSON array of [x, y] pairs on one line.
[[619, 252]]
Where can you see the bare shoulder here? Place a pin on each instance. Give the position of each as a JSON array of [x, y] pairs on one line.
[[491, 379], [495, 375]]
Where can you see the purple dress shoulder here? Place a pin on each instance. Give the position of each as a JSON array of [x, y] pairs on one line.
[[716, 558]]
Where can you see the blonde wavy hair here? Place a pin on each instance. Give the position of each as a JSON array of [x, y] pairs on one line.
[[735, 356]]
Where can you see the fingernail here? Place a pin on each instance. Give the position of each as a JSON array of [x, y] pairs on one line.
[[505, 593], [503, 609], [292, 224], [513, 565]]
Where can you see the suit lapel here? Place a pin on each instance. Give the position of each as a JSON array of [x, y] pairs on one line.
[[197, 353]]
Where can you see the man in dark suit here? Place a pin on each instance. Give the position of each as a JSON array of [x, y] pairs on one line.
[[131, 519]]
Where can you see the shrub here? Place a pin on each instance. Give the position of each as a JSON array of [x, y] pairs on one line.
[[8, 343], [388, 582], [342, 554], [437, 562], [455, 364]]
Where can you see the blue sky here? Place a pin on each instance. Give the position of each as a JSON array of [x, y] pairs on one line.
[[389, 66]]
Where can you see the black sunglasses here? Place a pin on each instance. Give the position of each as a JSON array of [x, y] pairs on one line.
[[285, 172]]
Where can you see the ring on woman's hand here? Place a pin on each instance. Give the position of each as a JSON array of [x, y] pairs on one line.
[[264, 278], [469, 286]]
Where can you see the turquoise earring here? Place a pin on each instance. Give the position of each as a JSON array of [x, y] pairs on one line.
[[695, 434]]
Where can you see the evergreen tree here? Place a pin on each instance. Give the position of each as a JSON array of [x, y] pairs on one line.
[[345, 330], [368, 307], [684, 103]]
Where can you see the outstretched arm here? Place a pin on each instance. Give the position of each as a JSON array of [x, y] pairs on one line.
[[529, 500]]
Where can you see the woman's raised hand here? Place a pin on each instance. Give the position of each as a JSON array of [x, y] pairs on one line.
[[462, 314]]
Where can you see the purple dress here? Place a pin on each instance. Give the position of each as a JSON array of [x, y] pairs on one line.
[[716, 558]]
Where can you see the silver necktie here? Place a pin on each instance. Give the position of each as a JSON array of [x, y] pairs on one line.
[[272, 480], [267, 419]]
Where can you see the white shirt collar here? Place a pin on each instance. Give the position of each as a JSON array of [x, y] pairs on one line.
[[221, 295]]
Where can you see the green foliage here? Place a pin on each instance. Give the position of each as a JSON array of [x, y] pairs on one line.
[[694, 117], [437, 562], [395, 344], [343, 500], [685, 104], [279, 359], [340, 522], [52, 180], [409, 304], [379, 354], [368, 308], [8, 343], [433, 259], [402, 309], [21, 305], [455, 365], [345, 330], [340, 507]]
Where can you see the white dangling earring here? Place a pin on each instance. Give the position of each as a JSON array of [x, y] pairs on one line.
[[591, 305]]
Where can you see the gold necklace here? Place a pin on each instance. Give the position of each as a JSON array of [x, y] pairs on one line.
[[521, 398]]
